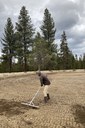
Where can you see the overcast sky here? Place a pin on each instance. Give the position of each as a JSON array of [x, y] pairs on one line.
[[68, 15]]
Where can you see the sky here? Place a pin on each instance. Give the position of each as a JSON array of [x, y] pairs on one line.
[[68, 15]]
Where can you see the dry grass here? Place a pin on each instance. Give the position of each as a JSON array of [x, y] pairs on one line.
[[65, 109]]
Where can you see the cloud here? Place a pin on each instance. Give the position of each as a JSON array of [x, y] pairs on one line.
[[68, 15], [65, 13]]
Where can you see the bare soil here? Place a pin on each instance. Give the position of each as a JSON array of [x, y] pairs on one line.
[[65, 109]]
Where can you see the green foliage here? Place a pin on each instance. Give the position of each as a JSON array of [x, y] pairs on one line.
[[22, 51], [48, 30], [8, 43], [80, 63], [40, 53], [84, 61], [66, 56], [24, 35]]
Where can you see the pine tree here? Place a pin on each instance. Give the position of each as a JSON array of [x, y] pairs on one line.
[[48, 30], [40, 53], [84, 61], [19, 51], [72, 62], [8, 43], [76, 62], [65, 53], [25, 33], [80, 62]]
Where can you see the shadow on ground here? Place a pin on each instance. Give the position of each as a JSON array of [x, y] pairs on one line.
[[11, 108], [79, 113]]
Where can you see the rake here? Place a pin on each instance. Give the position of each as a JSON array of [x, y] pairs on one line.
[[31, 104]]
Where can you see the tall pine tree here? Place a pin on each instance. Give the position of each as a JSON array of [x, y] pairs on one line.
[[40, 53], [48, 30], [65, 53], [8, 43], [84, 61], [25, 33]]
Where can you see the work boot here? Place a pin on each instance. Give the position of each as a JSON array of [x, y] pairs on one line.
[[48, 97], [45, 99]]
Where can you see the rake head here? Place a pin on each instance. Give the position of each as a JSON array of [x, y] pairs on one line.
[[30, 105]]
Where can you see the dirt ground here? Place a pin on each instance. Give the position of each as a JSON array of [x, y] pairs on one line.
[[65, 109]]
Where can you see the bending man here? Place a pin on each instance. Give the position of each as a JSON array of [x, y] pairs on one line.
[[44, 82]]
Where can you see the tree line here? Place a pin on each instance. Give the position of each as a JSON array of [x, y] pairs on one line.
[[24, 49]]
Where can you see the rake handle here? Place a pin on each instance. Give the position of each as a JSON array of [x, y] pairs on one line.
[[35, 95]]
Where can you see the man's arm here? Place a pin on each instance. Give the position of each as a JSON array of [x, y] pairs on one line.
[[41, 80]]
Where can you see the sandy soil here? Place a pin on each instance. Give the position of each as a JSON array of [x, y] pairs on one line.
[[65, 109]]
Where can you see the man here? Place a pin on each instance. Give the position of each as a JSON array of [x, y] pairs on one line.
[[44, 82]]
